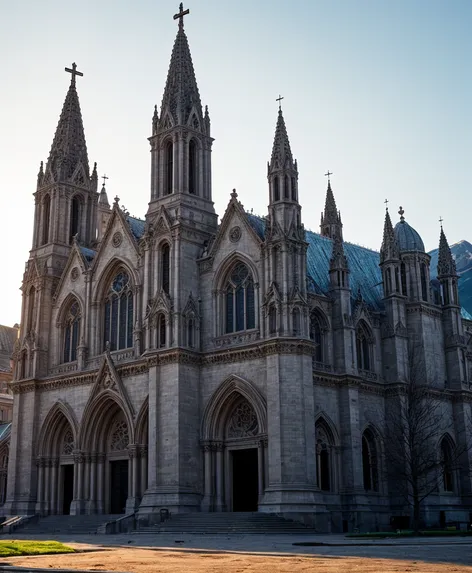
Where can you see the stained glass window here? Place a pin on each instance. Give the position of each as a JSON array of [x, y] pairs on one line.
[[240, 306], [71, 332], [119, 312]]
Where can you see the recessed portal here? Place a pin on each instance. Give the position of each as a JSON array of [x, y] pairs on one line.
[[118, 486], [245, 479], [67, 487]]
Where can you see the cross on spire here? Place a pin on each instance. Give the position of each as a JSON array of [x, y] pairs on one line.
[[279, 99], [441, 221], [386, 204], [180, 15], [74, 73], [328, 174], [104, 177]]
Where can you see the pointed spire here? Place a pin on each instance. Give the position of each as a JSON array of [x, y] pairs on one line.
[[281, 151], [181, 91], [389, 249], [69, 148], [331, 224], [155, 121], [446, 262], [40, 174]]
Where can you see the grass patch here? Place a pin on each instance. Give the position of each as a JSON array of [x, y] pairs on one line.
[[408, 533], [18, 548]]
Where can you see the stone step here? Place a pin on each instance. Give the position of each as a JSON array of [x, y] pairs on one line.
[[68, 523]]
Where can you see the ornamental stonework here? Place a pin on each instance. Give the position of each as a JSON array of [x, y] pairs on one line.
[[235, 234], [74, 274], [117, 239]]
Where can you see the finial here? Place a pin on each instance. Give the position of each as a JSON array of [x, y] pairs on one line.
[[73, 73], [401, 213], [328, 174], [117, 200], [234, 195], [279, 99], [386, 204], [41, 166], [180, 16], [441, 222], [104, 177], [94, 172], [206, 111]]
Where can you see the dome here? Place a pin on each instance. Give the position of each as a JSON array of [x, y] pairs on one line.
[[407, 238]]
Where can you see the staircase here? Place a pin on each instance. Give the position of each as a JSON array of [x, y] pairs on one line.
[[226, 522], [67, 524]]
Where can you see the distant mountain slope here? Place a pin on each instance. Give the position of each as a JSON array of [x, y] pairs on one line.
[[462, 253]]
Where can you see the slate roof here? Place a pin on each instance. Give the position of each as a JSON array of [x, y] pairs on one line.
[[89, 254], [5, 430], [363, 263], [408, 239], [136, 225]]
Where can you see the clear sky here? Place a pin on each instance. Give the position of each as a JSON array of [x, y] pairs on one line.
[[377, 91]]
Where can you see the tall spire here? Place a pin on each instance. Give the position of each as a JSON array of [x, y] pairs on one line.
[[446, 262], [69, 149], [331, 224], [181, 92], [389, 249], [281, 152]]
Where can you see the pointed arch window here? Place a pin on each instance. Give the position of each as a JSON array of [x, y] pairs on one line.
[[286, 187], [446, 465], [191, 332], [369, 462], [363, 347], [192, 167], [324, 461], [75, 212], [46, 219], [403, 277], [119, 312], [276, 188], [294, 188], [169, 168], [31, 310], [296, 322], [424, 282], [272, 319], [317, 335], [165, 268], [240, 302], [397, 279], [161, 331], [71, 332]]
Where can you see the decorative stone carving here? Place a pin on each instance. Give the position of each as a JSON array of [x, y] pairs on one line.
[[235, 234], [68, 444], [120, 437], [117, 239], [243, 422], [74, 274]]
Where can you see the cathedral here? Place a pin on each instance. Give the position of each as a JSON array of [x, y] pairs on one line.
[[191, 364]]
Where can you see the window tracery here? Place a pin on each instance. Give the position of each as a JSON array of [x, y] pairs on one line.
[[240, 302], [68, 445], [72, 332], [323, 458], [446, 463], [316, 334], [369, 462], [119, 437], [243, 422], [119, 310], [363, 347]]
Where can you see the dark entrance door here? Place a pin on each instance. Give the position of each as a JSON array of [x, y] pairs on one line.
[[67, 488], [118, 486], [245, 480]]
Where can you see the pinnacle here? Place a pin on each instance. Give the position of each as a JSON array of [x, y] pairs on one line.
[[338, 259], [69, 148], [331, 211], [181, 91], [389, 247], [446, 262], [281, 149]]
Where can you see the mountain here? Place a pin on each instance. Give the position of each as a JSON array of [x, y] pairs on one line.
[[462, 253]]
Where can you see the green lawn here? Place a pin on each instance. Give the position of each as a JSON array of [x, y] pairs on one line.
[[18, 548]]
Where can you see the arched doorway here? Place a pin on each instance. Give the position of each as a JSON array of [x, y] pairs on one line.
[[234, 440], [55, 462]]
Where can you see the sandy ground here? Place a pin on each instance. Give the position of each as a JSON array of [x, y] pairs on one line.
[[140, 560]]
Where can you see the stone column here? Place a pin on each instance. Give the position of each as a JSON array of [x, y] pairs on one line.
[[144, 470], [40, 493], [91, 505], [260, 468], [99, 505], [77, 505], [220, 504], [54, 486], [208, 486], [132, 502]]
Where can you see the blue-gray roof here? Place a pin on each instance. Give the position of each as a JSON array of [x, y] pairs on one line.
[[363, 264], [136, 226], [5, 430], [89, 254], [408, 239]]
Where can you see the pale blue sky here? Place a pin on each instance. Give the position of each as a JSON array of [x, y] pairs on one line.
[[378, 92]]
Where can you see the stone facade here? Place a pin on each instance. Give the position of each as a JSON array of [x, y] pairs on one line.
[[175, 363]]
